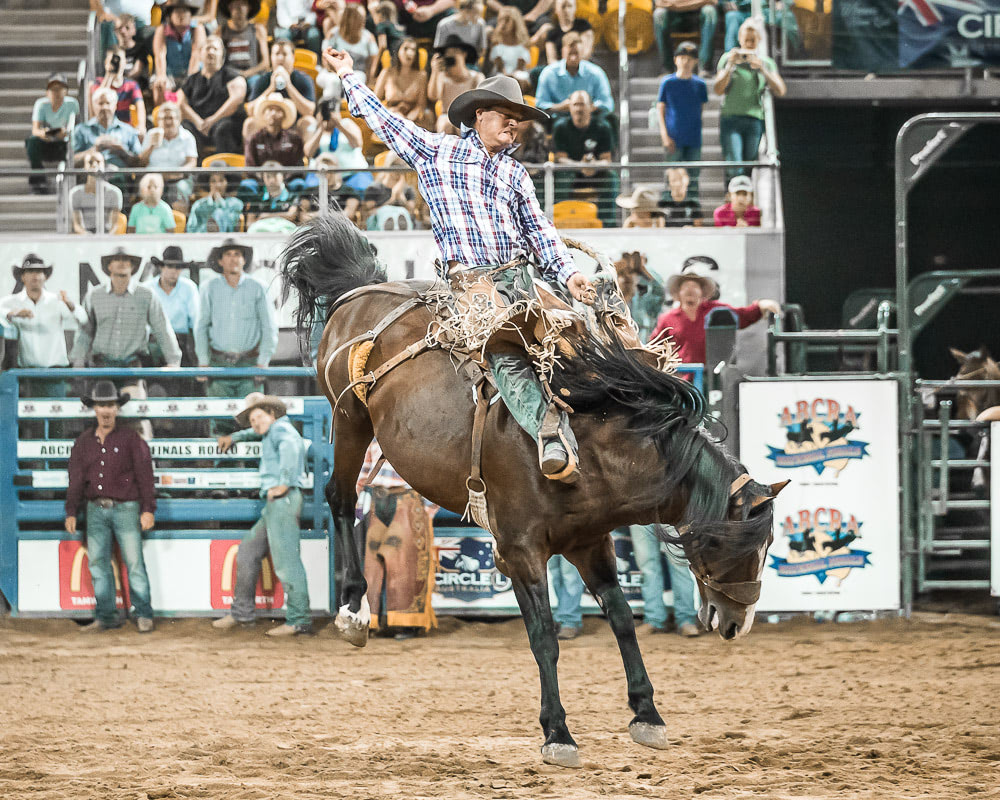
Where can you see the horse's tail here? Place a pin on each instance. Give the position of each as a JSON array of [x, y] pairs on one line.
[[322, 261]]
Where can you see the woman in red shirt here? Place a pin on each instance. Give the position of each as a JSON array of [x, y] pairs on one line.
[[685, 322]]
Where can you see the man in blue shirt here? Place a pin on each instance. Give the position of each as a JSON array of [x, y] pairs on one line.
[[179, 297], [50, 128], [559, 80], [105, 133], [679, 105], [282, 476]]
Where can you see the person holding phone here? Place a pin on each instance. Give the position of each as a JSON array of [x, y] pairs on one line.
[[50, 124]]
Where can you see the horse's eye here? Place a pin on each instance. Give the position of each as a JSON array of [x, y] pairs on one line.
[[643, 289]]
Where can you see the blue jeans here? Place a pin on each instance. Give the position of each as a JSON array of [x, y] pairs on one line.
[[733, 21], [682, 584], [568, 586], [665, 21], [646, 549], [688, 153], [277, 530], [122, 522], [740, 138]]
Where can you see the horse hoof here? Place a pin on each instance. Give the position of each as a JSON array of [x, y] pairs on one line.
[[654, 736], [562, 755], [353, 626]]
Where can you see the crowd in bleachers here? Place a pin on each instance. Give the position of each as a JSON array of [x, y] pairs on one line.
[[241, 83]]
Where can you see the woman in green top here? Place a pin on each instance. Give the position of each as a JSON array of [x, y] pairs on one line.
[[742, 78]]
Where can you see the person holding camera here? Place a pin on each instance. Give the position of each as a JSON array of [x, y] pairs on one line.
[[128, 91], [50, 124], [742, 78], [296, 21]]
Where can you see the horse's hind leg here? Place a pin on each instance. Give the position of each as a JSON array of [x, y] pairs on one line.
[[599, 571], [530, 581], [351, 440]]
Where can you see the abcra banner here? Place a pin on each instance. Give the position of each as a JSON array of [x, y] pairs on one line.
[[836, 525]]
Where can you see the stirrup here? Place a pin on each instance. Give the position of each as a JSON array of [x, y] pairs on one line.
[[571, 472]]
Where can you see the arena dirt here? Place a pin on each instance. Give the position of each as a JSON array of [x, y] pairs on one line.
[[888, 709]]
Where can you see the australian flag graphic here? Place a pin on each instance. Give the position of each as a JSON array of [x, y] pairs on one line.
[[935, 34]]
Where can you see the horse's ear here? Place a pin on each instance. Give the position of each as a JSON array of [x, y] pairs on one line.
[[774, 489], [777, 487], [960, 357]]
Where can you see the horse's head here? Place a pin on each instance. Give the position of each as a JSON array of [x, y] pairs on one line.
[[728, 564], [975, 366]]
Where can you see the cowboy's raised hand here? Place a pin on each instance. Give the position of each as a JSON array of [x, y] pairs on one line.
[[337, 60], [581, 288]]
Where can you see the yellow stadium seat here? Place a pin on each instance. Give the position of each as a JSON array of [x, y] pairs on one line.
[[180, 222], [264, 14], [588, 10], [638, 26], [577, 222], [156, 117], [579, 209], [530, 100], [421, 58], [438, 109], [229, 159], [121, 224], [386, 59], [380, 159], [155, 15], [535, 55]]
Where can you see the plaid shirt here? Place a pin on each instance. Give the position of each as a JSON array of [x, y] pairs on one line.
[[483, 209]]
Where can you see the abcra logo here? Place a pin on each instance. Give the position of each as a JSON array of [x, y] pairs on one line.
[[816, 436], [819, 543]]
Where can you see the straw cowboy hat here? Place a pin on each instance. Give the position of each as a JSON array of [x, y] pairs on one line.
[[709, 288], [500, 90], [120, 255], [274, 406], [640, 200], [173, 256], [31, 261], [229, 244], [276, 100], [105, 392]]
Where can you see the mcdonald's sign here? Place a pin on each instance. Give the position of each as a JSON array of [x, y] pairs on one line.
[[222, 554], [76, 590]]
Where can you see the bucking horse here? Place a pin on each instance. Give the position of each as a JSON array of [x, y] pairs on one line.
[[644, 454]]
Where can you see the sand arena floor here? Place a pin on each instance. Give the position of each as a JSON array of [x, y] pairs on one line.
[[888, 709]]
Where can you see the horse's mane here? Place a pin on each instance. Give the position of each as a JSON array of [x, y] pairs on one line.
[[604, 377]]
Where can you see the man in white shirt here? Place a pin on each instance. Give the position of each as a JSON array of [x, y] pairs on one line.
[[36, 318]]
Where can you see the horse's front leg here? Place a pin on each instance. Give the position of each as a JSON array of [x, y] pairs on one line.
[[599, 571], [528, 575]]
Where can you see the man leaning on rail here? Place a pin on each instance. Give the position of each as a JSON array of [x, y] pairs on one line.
[[484, 213]]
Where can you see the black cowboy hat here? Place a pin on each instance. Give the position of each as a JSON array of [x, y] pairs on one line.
[[229, 244], [105, 392], [31, 261], [191, 5], [377, 193], [500, 90], [254, 8], [454, 40], [173, 256], [120, 255]]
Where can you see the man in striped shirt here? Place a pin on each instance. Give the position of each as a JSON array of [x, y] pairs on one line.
[[483, 213]]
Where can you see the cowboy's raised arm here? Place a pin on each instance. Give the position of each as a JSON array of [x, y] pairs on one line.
[[410, 142]]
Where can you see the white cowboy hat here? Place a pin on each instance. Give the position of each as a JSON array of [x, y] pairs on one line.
[[275, 99]]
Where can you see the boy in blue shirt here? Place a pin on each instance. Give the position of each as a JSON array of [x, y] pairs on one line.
[[50, 128], [679, 105]]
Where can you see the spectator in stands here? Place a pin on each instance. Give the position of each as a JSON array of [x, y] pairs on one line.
[[177, 48], [535, 14], [584, 140], [151, 214], [736, 13], [742, 78], [111, 469], [564, 21], [681, 98], [120, 317], [346, 197], [685, 15], [275, 139], [287, 81], [738, 211], [421, 17], [51, 119], [236, 322], [350, 35], [509, 53], [211, 102], [380, 213], [678, 209], [339, 136], [245, 41], [388, 35], [282, 479], [116, 141], [83, 199], [296, 22], [38, 316], [217, 211], [171, 147], [450, 76], [559, 80], [403, 87], [128, 91], [685, 322], [644, 211], [466, 24], [276, 204], [111, 14], [568, 587], [178, 295], [328, 14], [136, 50], [646, 548]]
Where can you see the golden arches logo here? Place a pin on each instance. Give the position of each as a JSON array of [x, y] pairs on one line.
[[76, 571], [229, 571]]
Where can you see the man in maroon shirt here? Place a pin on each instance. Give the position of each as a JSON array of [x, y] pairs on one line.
[[685, 322], [275, 139], [110, 467]]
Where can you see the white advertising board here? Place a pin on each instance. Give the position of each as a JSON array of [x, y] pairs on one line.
[[836, 526], [995, 509]]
